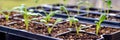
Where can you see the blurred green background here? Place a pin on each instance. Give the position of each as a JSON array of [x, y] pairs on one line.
[[8, 4], [13, 3]]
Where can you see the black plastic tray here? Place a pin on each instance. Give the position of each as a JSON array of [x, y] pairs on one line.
[[2, 35], [28, 35], [86, 20], [79, 32], [14, 33], [117, 16], [99, 10], [48, 8], [17, 34]]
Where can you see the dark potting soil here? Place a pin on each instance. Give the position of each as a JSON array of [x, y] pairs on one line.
[[38, 28], [80, 36], [4, 22], [103, 30], [11, 12]]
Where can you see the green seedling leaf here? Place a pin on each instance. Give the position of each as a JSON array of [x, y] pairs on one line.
[[34, 18], [44, 21], [89, 5], [79, 4], [109, 3], [47, 18], [50, 28], [57, 12], [62, 8], [6, 15], [72, 20], [25, 15], [101, 19], [57, 21]]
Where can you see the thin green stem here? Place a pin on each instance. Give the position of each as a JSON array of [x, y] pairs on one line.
[[78, 29], [49, 29], [97, 28], [26, 18], [70, 23]]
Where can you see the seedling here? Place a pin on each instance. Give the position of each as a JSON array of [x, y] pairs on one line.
[[109, 5], [88, 8], [98, 23], [62, 8], [47, 18], [78, 7], [72, 20], [50, 28], [77, 29], [25, 15], [6, 15]]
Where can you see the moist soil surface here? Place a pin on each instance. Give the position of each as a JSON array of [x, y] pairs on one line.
[[80, 36], [103, 30], [11, 13], [38, 28], [4, 22]]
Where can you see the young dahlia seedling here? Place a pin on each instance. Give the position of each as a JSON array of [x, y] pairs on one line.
[[26, 16], [72, 20], [47, 18], [50, 28], [62, 8], [78, 29], [98, 23], [6, 15], [88, 8], [109, 5], [79, 4]]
